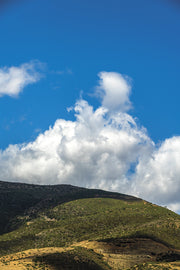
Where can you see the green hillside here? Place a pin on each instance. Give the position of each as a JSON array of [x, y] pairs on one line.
[[103, 230], [94, 219], [18, 199]]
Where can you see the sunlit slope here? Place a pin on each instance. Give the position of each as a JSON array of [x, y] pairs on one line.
[[86, 255], [18, 199], [101, 219], [77, 258]]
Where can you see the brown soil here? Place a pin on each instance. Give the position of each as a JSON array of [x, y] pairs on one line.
[[118, 253]]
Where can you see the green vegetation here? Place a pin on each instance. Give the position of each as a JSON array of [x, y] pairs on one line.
[[94, 219], [76, 259], [34, 217], [19, 200]]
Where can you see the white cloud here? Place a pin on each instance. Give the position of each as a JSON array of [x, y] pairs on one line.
[[114, 90], [102, 148], [93, 151], [158, 176], [14, 79]]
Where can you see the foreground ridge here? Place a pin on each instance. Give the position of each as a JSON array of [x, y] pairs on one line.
[[68, 227]]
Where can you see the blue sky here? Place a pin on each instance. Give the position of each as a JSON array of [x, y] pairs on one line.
[[137, 38], [68, 43]]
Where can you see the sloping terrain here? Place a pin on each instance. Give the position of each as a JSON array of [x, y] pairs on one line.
[[89, 255], [54, 259], [18, 199], [76, 228]]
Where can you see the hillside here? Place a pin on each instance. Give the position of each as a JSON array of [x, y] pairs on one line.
[[66, 227], [18, 199]]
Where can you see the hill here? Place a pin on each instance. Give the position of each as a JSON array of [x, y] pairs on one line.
[[67, 227], [19, 199]]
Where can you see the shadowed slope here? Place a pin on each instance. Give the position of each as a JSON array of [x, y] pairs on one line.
[[18, 199], [67, 227], [102, 219]]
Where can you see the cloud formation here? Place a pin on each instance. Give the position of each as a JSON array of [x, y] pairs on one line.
[[158, 176], [114, 90], [14, 79], [102, 148]]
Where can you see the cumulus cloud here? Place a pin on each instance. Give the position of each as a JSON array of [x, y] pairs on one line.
[[158, 176], [114, 90], [102, 148], [14, 79], [95, 151]]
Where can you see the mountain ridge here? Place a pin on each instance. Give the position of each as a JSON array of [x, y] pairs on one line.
[[28, 199], [82, 227]]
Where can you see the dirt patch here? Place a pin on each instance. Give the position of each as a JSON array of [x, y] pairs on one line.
[[125, 253], [117, 253]]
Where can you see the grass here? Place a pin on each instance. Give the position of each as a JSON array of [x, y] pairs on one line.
[[94, 219], [84, 229], [78, 258], [21, 202], [53, 258], [157, 266]]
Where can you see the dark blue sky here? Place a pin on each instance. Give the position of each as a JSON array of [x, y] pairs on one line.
[[76, 40]]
